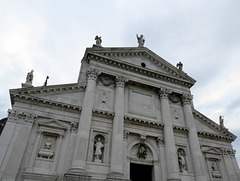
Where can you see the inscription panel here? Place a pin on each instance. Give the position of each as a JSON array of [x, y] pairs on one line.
[[142, 104]]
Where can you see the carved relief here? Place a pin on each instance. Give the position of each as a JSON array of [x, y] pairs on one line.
[[160, 141], [177, 115], [21, 116], [104, 99], [182, 160], [106, 80], [46, 150], [174, 98], [228, 151], [214, 170]]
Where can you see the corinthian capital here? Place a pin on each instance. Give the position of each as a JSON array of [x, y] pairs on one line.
[[92, 74], [164, 93], [120, 81], [186, 98]]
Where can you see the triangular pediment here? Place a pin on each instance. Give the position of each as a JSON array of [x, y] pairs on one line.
[[212, 151], [65, 94], [52, 123], [207, 127], [141, 58]]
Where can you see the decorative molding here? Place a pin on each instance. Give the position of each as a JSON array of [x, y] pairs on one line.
[[228, 151], [212, 135], [106, 80], [186, 99], [174, 98], [104, 112], [49, 102], [26, 117], [92, 74], [176, 78], [125, 134], [74, 126], [120, 81], [144, 121], [181, 128], [160, 141], [164, 93]]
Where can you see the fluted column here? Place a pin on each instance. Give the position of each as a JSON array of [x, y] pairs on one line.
[[162, 157], [82, 138], [196, 153], [116, 166], [170, 149]]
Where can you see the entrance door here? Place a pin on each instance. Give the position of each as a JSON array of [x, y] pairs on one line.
[[140, 172]]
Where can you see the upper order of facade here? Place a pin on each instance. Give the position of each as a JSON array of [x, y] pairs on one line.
[[129, 116]]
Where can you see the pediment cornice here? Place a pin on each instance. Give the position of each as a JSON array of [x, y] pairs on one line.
[[226, 134], [110, 57]]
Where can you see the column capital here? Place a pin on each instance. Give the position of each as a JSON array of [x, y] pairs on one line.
[[92, 74], [186, 98], [121, 80], [164, 93], [160, 141]]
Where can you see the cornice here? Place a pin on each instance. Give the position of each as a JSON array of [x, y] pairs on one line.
[[180, 128], [144, 121], [213, 125], [180, 80], [44, 89], [103, 112], [212, 135], [45, 101]]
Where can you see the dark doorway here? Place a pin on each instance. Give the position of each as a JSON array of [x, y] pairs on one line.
[[140, 172]]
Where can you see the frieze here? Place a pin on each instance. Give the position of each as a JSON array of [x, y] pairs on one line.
[[106, 80], [228, 151], [174, 98], [143, 121], [26, 117]]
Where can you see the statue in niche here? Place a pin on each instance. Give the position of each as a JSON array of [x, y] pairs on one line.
[[141, 40], [98, 40], [29, 78], [48, 144], [182, 161], [98, 152]]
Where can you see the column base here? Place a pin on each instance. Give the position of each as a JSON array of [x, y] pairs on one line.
[[76, 177], [116, 176]]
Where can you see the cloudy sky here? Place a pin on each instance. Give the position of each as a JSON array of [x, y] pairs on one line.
[[50, 37]]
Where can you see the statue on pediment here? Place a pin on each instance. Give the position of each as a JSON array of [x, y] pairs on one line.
[[98, 40], [180, 66], [141, 40], [29, 78]]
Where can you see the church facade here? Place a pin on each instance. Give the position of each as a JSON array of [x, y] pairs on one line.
[[130, 116]]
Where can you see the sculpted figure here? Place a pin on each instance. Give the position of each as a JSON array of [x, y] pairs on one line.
[[98, 151], [98, 40], [180, 66], [48, 144], [182, 161], [29, 78], [141, 40]]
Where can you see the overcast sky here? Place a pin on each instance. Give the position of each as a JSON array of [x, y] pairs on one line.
[[50, 37]]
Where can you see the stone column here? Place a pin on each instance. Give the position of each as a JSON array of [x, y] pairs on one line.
[[162, 157], [82, 138], [196, 153], [34, 152], [116, 165], [170, 149], [56, 155]]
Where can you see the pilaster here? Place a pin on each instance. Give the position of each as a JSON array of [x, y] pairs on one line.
[[196, 153], [170, 149]]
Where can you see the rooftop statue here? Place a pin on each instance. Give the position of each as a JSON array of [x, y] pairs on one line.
[[180, 66], [141, 40], [45, 83], [98, 40], [29, 78]]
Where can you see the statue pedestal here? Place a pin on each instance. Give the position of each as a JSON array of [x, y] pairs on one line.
[[26, 85]]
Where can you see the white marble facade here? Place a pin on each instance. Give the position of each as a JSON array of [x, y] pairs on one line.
[[129, 106]]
